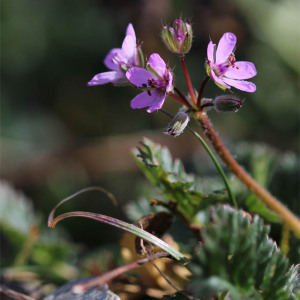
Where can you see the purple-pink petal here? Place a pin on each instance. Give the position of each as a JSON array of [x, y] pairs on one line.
[[141, 100], [225, 47], [110, 61], [210, 51], [128, 49], [106, 77], [169, 86], [241, 70], [130, 31], [154, 101], [157, 64], [139, 76], [158, 101], [242, 85]]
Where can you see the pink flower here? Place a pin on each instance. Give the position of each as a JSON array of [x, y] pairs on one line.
[[223, 68], [119, 60], [157, 81]]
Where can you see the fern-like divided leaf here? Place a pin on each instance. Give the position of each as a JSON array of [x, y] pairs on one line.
[[238, 256], [170, 177]]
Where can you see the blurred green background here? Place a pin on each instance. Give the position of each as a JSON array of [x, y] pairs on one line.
[[58, 135]]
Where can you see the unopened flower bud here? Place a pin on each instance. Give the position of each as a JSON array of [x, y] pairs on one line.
[[227, 103], [178, 38], [178, 124]]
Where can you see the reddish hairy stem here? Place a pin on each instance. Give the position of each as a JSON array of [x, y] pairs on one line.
[[205, 80], [188, 80], [180, 94], [287, 216], [180, 100]]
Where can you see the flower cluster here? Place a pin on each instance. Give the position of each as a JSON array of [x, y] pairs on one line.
[[155, 79]]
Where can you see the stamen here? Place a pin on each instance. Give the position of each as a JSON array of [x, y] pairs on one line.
[[231, 61], [116, 59], [151, 82]]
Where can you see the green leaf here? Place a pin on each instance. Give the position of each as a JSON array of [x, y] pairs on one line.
[[170, 177], [212, 286], [262, 163], [293, 284], [254, 205], [238, 256], [16, 211]]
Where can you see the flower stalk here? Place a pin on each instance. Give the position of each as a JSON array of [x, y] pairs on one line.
[[180, 99], [203, 84], [188, 80], [180, 94], [287, 216]]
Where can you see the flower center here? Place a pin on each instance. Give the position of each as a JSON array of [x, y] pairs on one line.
[[158, 84], [222, 68]]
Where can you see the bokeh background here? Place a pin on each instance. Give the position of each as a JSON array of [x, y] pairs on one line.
[[58, 135]]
